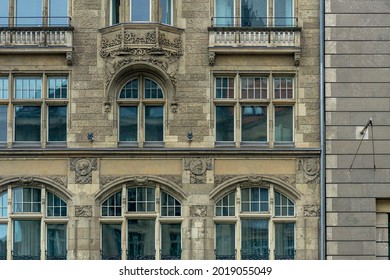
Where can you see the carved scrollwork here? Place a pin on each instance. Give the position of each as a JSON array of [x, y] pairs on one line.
[[27, 181], [83, 168], [311, 210], [61, 180], [83, 210], [198, 211], [310, 168]]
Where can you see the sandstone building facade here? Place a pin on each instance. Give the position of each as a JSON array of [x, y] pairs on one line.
[[357, 120], [159, 129]]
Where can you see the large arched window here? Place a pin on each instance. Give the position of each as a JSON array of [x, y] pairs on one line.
[[252, 227], [141, 112], [141, 223], [35, 214]]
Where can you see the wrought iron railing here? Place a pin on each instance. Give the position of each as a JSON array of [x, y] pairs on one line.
[[264, 255], [25, 257], [224, 257], [289, 255], [56, 257], [3, 255], [171, 257], [141, 257], [258, 22], [110, 257]]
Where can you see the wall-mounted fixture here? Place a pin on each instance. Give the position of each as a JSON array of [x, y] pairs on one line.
[[90, 136], [189, 136]]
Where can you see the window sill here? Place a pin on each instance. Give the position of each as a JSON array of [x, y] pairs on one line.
[[225, 144], [284, 145], [156, 144], [128, 145], [22, 144], [254, 144]]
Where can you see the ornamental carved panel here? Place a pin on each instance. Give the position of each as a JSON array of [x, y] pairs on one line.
[[198, 211], [310, 168], [311, 210], [198, 168], [83, 210], [83, 168]]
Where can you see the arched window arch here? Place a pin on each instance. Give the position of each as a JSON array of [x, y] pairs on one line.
[[35, 213], [255, 222], [141, 222], [141, 110]]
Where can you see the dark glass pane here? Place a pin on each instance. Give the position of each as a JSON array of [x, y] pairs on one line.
[[140, 239], [170, 241], [130, 90], [254, 123], [58, 12], [283, 123], [57, 123], [3, 123], [115, 9], [28, 12], [283, 11], [28, 123], [224, 11], [26, 239], [140, 10], [111, 241], [166, 11], [225, 123], [254, 239], [225, 241], [3, 241], [128, 123], [284, 241], [56, 241], [4, 204], [154, 120], [254, 13]]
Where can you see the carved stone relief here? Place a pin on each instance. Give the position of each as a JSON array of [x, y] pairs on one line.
[[104, 180], [198, 211], [310, 168], [83, 210], [83, 168], [311, 210], [198, 168], [211, 58], [61, 180]]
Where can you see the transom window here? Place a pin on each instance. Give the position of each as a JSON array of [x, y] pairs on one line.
[[254, 103], [245, 234], [29, 101], [151, 224], [141, 11], [141, 112], [37, 214]]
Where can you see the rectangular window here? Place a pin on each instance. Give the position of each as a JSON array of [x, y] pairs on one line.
[[254, 124], [3, 123], [3, 88], [225, 241], [254, 88], [283, 88], [284, 13], [224, 13], [4, 13], [154, 123], [57, 123], [254, 200], [27, 123], [58, 87], [224, 88], [141, 199], [140, 238], [28, 12], [115, 8], [111, 241], [254, 239], [166, 11], [140, 10], [128, 123], [284, 241], [224, 123], [27, 200], [58, 13], [28, 88], [3, 241], [56, 242], [254, 13], [170, 241], [284, 123], [26, 240]]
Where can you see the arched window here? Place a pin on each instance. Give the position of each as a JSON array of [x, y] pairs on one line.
[[244, 226], [145, 225], [37, 214], [141, 112]]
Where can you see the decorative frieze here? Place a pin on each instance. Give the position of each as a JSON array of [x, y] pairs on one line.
[[83, 210], [83, 168], [198, 211], [311, 210], [198, 168]]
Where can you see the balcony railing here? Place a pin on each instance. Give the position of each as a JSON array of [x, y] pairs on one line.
[[254, 35], [36, 35]]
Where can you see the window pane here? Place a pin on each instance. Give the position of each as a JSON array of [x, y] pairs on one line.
[[283, 12], [225, 242], [57, 123], [152, 90], [224, 11], [225, 123], [112, 206], [130, 90], [58, 87], [128, 123], [4, 204], [254, 124], [55, 206], [140, 238], [28, 12], [171, 241], [4, 13], [154, 119], [56, 242], [28, 123], [226, 205], [58, 13], [3, 85], [26, 239], [169, 205], [224, 88], [115, 8], [254, 237], [283, 123], [166, 11], [28, 88], [284, 241], [141, 199], [3, 241], [111, 241], [254, 12], [3, 123], [140, 10]]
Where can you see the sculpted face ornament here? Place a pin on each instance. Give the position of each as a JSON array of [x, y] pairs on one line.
[[83, 167]]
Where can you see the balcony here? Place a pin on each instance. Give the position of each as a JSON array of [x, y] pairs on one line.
[[254, 36], [50, 36]]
